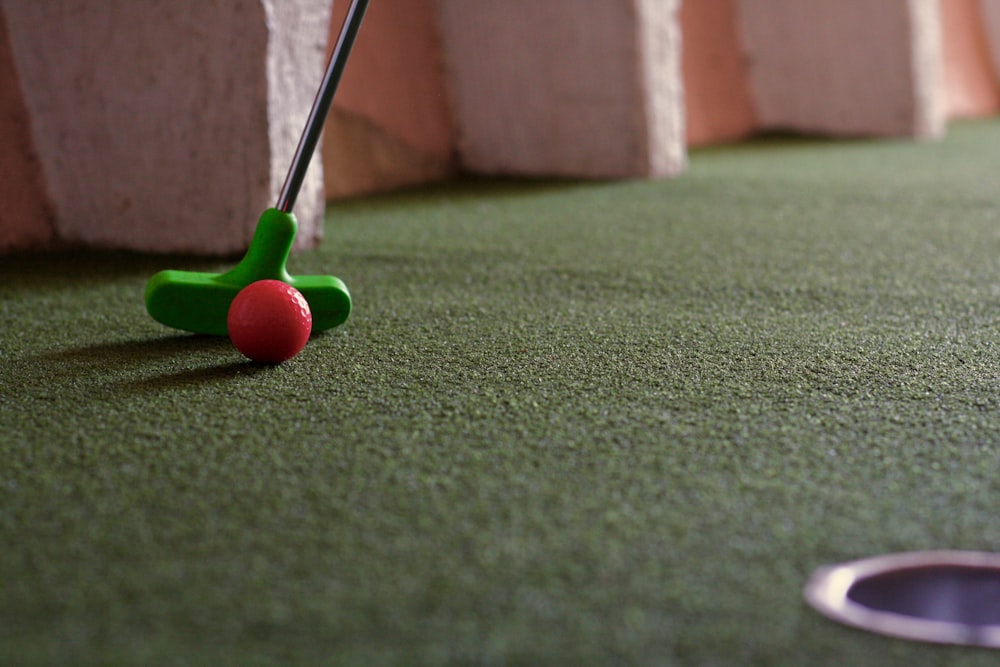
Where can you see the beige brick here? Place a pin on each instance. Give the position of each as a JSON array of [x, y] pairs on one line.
[[167, 125], [579, 88], [846, 67]]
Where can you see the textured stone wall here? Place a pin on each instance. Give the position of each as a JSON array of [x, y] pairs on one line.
[[168, 126], [26, 219], [583, 88], [845, 67]]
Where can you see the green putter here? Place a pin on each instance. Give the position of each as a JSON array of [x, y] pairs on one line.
[[199, 302]]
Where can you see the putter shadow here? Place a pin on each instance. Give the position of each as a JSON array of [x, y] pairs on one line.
[[124, 368], [136, 365], [132, 352]]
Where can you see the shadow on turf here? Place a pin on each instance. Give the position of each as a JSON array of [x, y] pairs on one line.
[[463, 188], [131, 355], [137, 351]]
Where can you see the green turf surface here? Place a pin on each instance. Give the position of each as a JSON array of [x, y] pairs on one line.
[[566, 424]]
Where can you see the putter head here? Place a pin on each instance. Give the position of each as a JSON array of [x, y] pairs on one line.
[[199, 302]]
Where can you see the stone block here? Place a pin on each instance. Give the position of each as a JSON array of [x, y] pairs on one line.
[[168, 125], [845, 67], [576, 88]]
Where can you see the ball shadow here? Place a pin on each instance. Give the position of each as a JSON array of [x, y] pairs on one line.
[[91, 362]]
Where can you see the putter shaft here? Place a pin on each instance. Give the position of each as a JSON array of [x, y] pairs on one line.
[[321, 106]]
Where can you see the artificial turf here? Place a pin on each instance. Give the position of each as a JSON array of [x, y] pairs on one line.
[[566, 424]]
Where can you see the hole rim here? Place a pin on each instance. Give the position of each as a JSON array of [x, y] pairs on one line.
[[827, 591]]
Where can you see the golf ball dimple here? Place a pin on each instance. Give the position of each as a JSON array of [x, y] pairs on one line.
[[269, 321]]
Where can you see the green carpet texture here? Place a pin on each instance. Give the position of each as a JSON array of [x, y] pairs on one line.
[[566, 424]]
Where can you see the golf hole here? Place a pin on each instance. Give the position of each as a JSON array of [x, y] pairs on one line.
[[948, 597]]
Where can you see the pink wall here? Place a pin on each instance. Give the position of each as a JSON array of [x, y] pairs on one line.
[[396, 76], [26, 215], [970, 84], [390, 125], [394, 119], [717, 100]]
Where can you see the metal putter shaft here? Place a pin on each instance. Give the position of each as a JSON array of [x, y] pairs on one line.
[[199, 302]]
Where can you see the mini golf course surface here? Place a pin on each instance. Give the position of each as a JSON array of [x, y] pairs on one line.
[[566, 424]]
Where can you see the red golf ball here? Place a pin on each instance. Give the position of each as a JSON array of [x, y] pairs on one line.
[[269, 321]]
